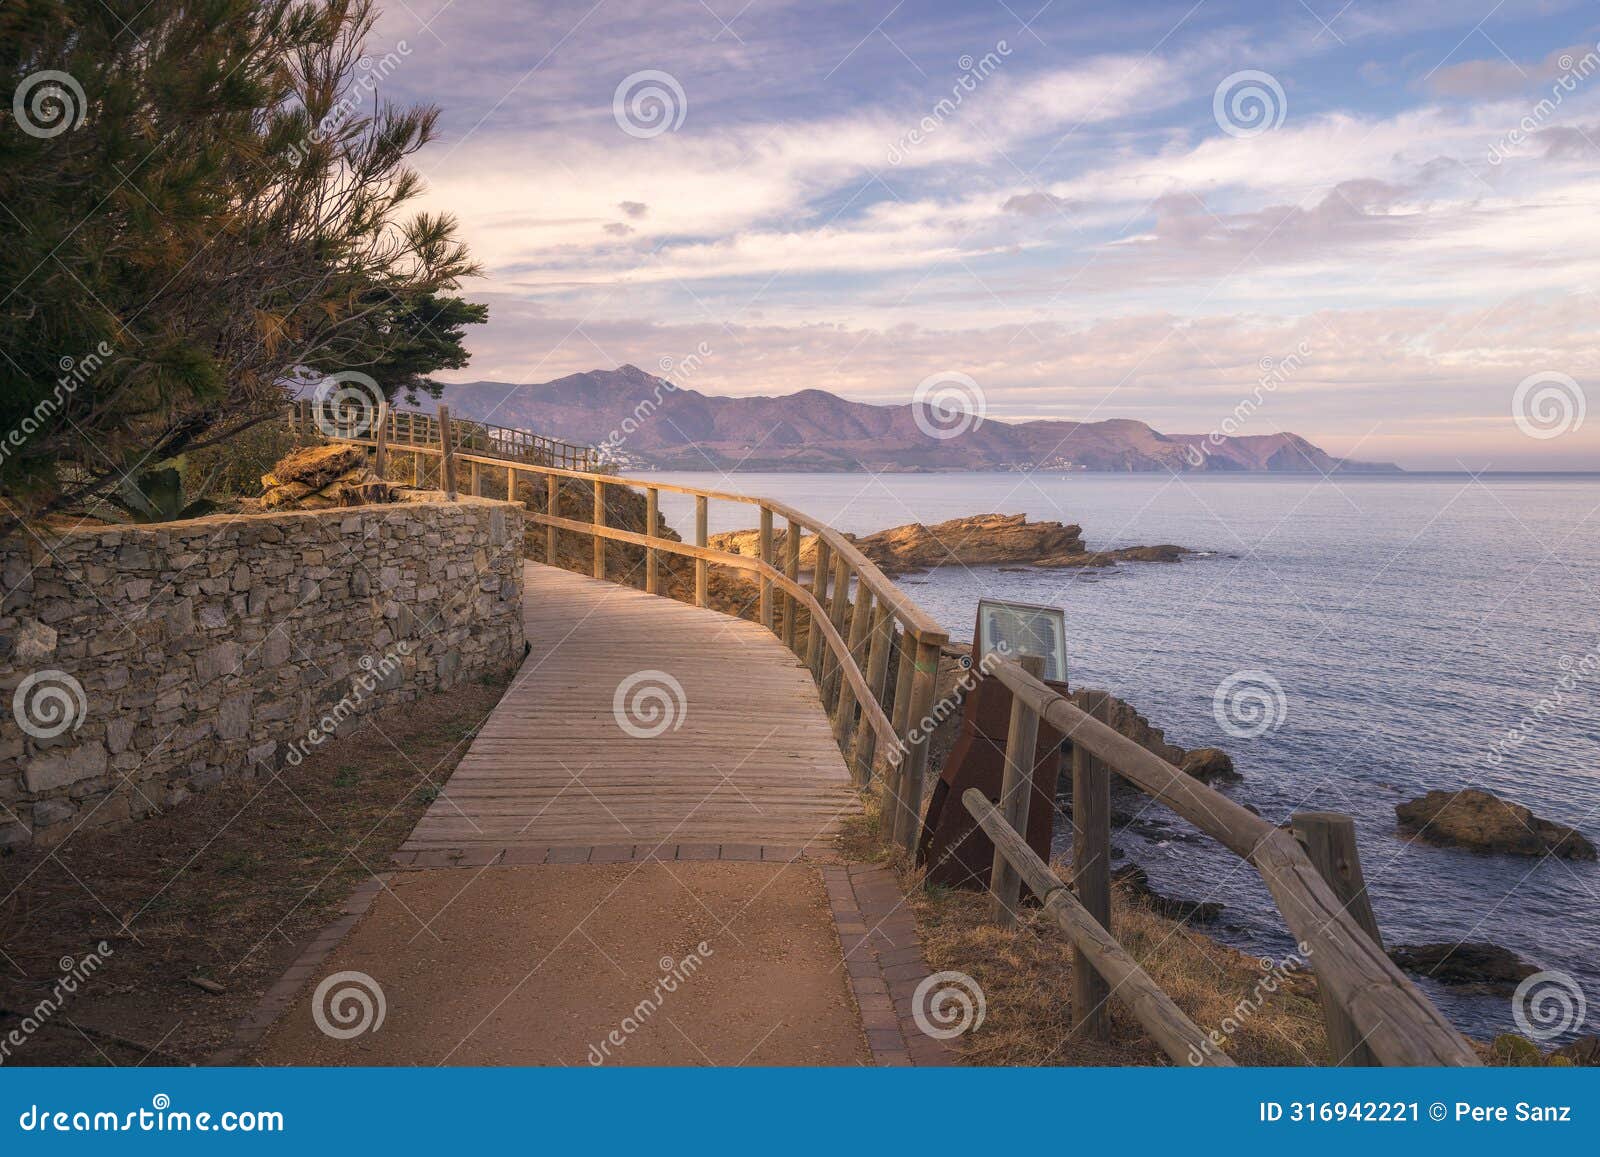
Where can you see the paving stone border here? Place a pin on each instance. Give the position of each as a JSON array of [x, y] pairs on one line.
[[878, 936], [277, 999], [609, 854]]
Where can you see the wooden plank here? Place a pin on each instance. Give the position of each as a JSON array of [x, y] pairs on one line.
[[380, 453], [791, 568], [1329, 840], [599, 522], [748, 756], [652, 518], [702, 569], [764, 535], [448, 450], [1091, 870], [1016, 791]]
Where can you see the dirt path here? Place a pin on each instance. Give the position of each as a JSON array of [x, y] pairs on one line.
[[682, 963]]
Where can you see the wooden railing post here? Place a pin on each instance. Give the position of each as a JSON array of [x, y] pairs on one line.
[[702, 568], [380, 451], [1091, 872], [836, 615], [1016, 792], [844, 719], [1329, 840], [819, 592], [791, 568], [447, 454], [765, 543], [652, 506], [419, 472], [552, 500], [925, 674], [476, 478], [599, 520], [877, 667]]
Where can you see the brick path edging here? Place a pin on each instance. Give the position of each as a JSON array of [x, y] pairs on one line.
[[883, 957], [516, 857], [277, 999]]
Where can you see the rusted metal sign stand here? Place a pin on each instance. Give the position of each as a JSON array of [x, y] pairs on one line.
[[953, 846]]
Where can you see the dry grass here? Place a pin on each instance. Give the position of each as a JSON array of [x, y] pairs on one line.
[[1026, 978], [225, 886]]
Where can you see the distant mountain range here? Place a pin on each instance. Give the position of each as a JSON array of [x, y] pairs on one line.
[[650, 423]]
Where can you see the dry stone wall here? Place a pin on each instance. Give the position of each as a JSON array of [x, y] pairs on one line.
[[140, 664]]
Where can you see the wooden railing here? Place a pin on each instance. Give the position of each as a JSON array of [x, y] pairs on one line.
[[860, 626], [875, 654], [405, 429], [1374, 1014]]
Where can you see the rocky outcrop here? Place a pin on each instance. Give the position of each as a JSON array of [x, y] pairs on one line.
[[1476, 819], [975, 540], [1471, 962], [1126, 720], [321, 477], [1208, 763]]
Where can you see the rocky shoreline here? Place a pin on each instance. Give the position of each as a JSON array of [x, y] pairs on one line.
[[1004, 540]]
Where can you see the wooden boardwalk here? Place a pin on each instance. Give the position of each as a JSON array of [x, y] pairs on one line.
[[720, 737]]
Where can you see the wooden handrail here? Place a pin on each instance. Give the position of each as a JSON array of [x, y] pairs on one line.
[[1401, 1026], [1179, 1037]]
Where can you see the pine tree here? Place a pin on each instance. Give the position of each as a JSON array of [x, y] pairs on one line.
[[198, 203]]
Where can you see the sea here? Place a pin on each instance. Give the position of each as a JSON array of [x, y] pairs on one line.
[[1412, 631]]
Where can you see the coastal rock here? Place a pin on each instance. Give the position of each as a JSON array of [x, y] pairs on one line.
[[1480, 820], [976, 540], [1208, 763], [1008, 540], [1126, 720], [1471, 962]]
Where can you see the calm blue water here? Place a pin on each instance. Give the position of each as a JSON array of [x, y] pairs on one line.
[[1410, 621]]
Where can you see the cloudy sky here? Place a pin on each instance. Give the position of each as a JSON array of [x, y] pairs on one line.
[[1137, 209]]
